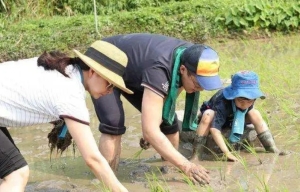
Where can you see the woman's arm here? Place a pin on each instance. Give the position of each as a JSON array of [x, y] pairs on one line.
[[87, 146]]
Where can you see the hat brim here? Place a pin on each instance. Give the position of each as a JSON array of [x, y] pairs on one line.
[[209, 82], [230, 93], [105, 73]]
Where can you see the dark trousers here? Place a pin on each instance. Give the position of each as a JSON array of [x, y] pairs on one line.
[[10, 156]]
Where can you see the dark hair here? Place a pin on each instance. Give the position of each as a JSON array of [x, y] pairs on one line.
[[60, 144], [190, 73], [191, 55], [56, 60], [244, 98]]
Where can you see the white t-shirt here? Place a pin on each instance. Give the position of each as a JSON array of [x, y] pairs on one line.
[[31, 95]]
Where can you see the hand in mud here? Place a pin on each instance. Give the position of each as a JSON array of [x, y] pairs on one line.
[[197, 173], [230, 156], [144, 144]]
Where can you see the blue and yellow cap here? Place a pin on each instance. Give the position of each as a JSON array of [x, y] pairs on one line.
[[204, 62]]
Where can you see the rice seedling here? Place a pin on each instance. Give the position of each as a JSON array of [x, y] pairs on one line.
[[216, 156], [233, 150], [264, 183], [277, 65], [222, 174], [138, 154], [251, 150], [155, 184], [135, 157], [195, 187], [284, 189], [101, 186]]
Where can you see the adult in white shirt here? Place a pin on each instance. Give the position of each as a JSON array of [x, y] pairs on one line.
[[51, 88]]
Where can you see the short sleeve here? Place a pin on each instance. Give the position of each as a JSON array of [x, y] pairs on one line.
[[157, 79], [221, 114], [72, 105]]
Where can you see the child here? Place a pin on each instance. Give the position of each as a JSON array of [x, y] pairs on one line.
[[233, 105]]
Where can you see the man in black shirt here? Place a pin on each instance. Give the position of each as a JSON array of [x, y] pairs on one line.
[[159, 68]]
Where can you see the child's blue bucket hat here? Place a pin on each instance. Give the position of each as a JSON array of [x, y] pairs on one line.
[[243, 84]]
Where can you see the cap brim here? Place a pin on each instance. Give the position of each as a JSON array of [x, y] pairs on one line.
[[105, 73], [230, 93], [209, 82]]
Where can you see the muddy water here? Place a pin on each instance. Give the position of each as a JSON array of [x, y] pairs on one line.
[[258, 172]]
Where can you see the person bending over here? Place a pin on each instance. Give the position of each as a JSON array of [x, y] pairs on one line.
[[159, 68], [51, 88], [233, 106]]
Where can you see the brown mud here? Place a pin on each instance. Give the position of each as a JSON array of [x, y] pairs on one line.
[[145, 171], [141, 172]]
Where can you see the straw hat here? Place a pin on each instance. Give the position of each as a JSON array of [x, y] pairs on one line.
[[108, 61]]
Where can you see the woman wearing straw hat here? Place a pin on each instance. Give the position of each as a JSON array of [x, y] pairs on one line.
[[50, 88], [159, 68]]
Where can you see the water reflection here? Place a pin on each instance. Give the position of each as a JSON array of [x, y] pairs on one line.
[[278, 173]]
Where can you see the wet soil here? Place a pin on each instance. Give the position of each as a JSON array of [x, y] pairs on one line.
[[145, 171]]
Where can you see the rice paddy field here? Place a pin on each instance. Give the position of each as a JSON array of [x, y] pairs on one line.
[[277, 62]]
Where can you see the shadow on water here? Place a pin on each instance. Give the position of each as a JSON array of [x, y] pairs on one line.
[[138, 172]]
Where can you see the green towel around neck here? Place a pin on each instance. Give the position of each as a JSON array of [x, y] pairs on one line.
[[190, 118]]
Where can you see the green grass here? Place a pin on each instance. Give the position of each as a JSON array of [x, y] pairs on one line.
[[276, 61], [27, 27]]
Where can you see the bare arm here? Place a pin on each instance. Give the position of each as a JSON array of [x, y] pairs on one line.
[[152, 106], [87, 146], [218, 138]]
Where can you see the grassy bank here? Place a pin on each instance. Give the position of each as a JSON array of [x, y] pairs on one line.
[[275, 60], [28, 31]]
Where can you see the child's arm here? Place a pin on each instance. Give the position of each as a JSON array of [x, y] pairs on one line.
[[218, 138]]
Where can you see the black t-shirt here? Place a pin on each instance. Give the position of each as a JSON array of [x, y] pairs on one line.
[[222, 108], [150, 60]]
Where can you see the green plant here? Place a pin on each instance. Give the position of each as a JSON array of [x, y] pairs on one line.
[[251, 150], [192, 186], [264, 183], [155, 184], [260, 14]]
